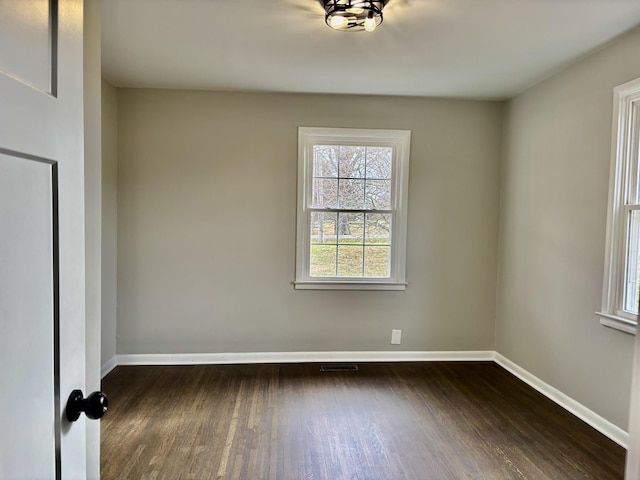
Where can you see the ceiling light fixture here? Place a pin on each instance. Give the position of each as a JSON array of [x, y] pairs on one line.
[[354, 15]]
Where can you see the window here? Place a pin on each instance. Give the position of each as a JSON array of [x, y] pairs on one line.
[[352, 208], [621, 290]]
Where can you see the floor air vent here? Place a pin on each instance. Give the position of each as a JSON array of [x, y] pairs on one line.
[[338, 368]]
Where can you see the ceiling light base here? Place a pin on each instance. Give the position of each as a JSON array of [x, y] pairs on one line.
[[353, 15]]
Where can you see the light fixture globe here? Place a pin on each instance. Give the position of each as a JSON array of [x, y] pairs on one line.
[[353, 15]]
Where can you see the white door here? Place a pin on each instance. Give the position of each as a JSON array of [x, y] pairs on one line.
[[633, 452], [42, 309]]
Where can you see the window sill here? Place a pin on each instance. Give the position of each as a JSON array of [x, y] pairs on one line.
[[349, 286], [619, 323]]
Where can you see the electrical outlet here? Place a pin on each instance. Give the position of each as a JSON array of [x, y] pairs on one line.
[[396, 337]]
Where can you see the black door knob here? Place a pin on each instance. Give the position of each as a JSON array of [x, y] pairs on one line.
[[94, 406]]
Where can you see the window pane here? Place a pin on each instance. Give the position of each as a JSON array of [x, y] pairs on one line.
[[634, 194], [631, 271], [325, 161], [350, 259], [351, 194], [377, 194], [323, 261], [323, 227], [324, 193], [377, 229], [377, 261], [379, 162], [350, 228], [352, 161]]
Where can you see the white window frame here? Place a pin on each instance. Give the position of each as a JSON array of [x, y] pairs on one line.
[[399, 141], [622, 180]]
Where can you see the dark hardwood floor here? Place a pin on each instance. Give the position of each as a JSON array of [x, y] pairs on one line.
[[417, 421]]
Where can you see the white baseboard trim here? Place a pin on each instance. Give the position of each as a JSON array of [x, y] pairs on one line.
[[605, 427], [108, 366], [299, 357]]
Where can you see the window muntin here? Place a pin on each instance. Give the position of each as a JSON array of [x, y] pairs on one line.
[[352, 208]]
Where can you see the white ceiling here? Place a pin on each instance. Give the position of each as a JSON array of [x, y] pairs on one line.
[[448, 48]]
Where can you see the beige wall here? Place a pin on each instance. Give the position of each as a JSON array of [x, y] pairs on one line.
[[555, 179], [109, 219], [206, 225]]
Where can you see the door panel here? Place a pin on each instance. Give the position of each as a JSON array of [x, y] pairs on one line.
[[41, 140], [28, 344], [27, 37]]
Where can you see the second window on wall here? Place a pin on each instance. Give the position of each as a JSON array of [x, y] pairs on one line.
[[621, 291]]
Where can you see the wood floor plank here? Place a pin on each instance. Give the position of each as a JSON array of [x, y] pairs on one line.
[[418, 421]]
